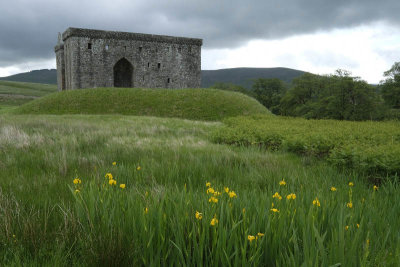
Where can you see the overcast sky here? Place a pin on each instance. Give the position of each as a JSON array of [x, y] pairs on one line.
[[362, 36]]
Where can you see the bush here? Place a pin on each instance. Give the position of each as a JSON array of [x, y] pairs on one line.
[[369, 147]]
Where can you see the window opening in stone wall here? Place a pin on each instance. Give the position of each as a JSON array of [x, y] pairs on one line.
[[140, 49], [169, 80], [148, 64], [190, 49], [159, 65], [143, 77], [125, 48], [89, 45], [179, 49]]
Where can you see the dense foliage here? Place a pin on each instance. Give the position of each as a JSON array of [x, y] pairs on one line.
[[337, 96], [371, 148]]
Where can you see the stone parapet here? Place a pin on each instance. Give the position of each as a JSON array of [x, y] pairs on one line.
[[99, 34]]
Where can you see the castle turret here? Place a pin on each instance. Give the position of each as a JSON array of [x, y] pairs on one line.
[[59, 49]]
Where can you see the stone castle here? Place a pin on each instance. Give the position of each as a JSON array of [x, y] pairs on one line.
[[93, 58]]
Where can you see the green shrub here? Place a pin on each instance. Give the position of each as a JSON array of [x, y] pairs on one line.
[[370, 147]]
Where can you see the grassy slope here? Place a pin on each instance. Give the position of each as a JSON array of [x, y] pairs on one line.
[[200, 104], [14, 94], [41, 155], [45, 76]]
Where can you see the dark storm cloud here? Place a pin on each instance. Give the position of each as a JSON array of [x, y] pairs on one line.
[[28, 28]]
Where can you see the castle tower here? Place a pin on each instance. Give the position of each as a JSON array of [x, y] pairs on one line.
[[59, 49]]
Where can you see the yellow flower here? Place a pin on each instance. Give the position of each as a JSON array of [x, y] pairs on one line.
[[333, 189], [198, 215], [358, 225], [214, 221], [232, 194], [274, 210], [122, 186], [244, 210], [276, 195], [109, 176], [351, 184], [375, 188], [260, 234], [346, 228], [226, 189], [138, 168], [210, 190], [316, 202], [251, 237], [112, 182], [208, 184], [77, 191], [213, 199], [114, 163], [216, 193], [349, 205], [77, 181], [146, 210], [291, 196], [282, 183]]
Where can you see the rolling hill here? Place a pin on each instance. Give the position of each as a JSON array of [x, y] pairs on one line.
[[245, 76], [238, 76], [35, 76]]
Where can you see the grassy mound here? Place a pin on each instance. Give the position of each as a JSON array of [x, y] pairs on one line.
[[198, 104]]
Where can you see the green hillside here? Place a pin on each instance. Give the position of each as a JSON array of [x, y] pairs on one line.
[[245, 76], [35, 76], [238, 76], [197, 104], [17, 93]]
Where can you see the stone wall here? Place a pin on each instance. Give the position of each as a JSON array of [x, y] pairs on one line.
[[90, 58]]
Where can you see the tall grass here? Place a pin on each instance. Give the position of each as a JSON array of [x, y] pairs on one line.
[[47, 222]]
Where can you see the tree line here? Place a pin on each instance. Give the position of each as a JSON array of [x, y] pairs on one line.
[[339, 96]]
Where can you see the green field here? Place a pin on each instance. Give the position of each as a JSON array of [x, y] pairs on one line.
[[264, 206], [13, 94]]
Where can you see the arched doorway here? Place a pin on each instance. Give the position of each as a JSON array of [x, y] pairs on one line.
[[123, 72]]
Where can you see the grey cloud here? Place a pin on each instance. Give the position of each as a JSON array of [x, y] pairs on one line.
[[28, 29]]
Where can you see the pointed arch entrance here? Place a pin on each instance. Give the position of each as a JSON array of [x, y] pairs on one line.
[[123, 73]]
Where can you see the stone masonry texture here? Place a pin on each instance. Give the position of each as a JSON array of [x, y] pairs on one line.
[[93, 58]]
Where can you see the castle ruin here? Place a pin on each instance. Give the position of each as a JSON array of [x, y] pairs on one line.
[[93, 58]]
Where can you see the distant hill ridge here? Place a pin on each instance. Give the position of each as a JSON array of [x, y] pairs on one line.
[[239, 76], [47, 76]]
